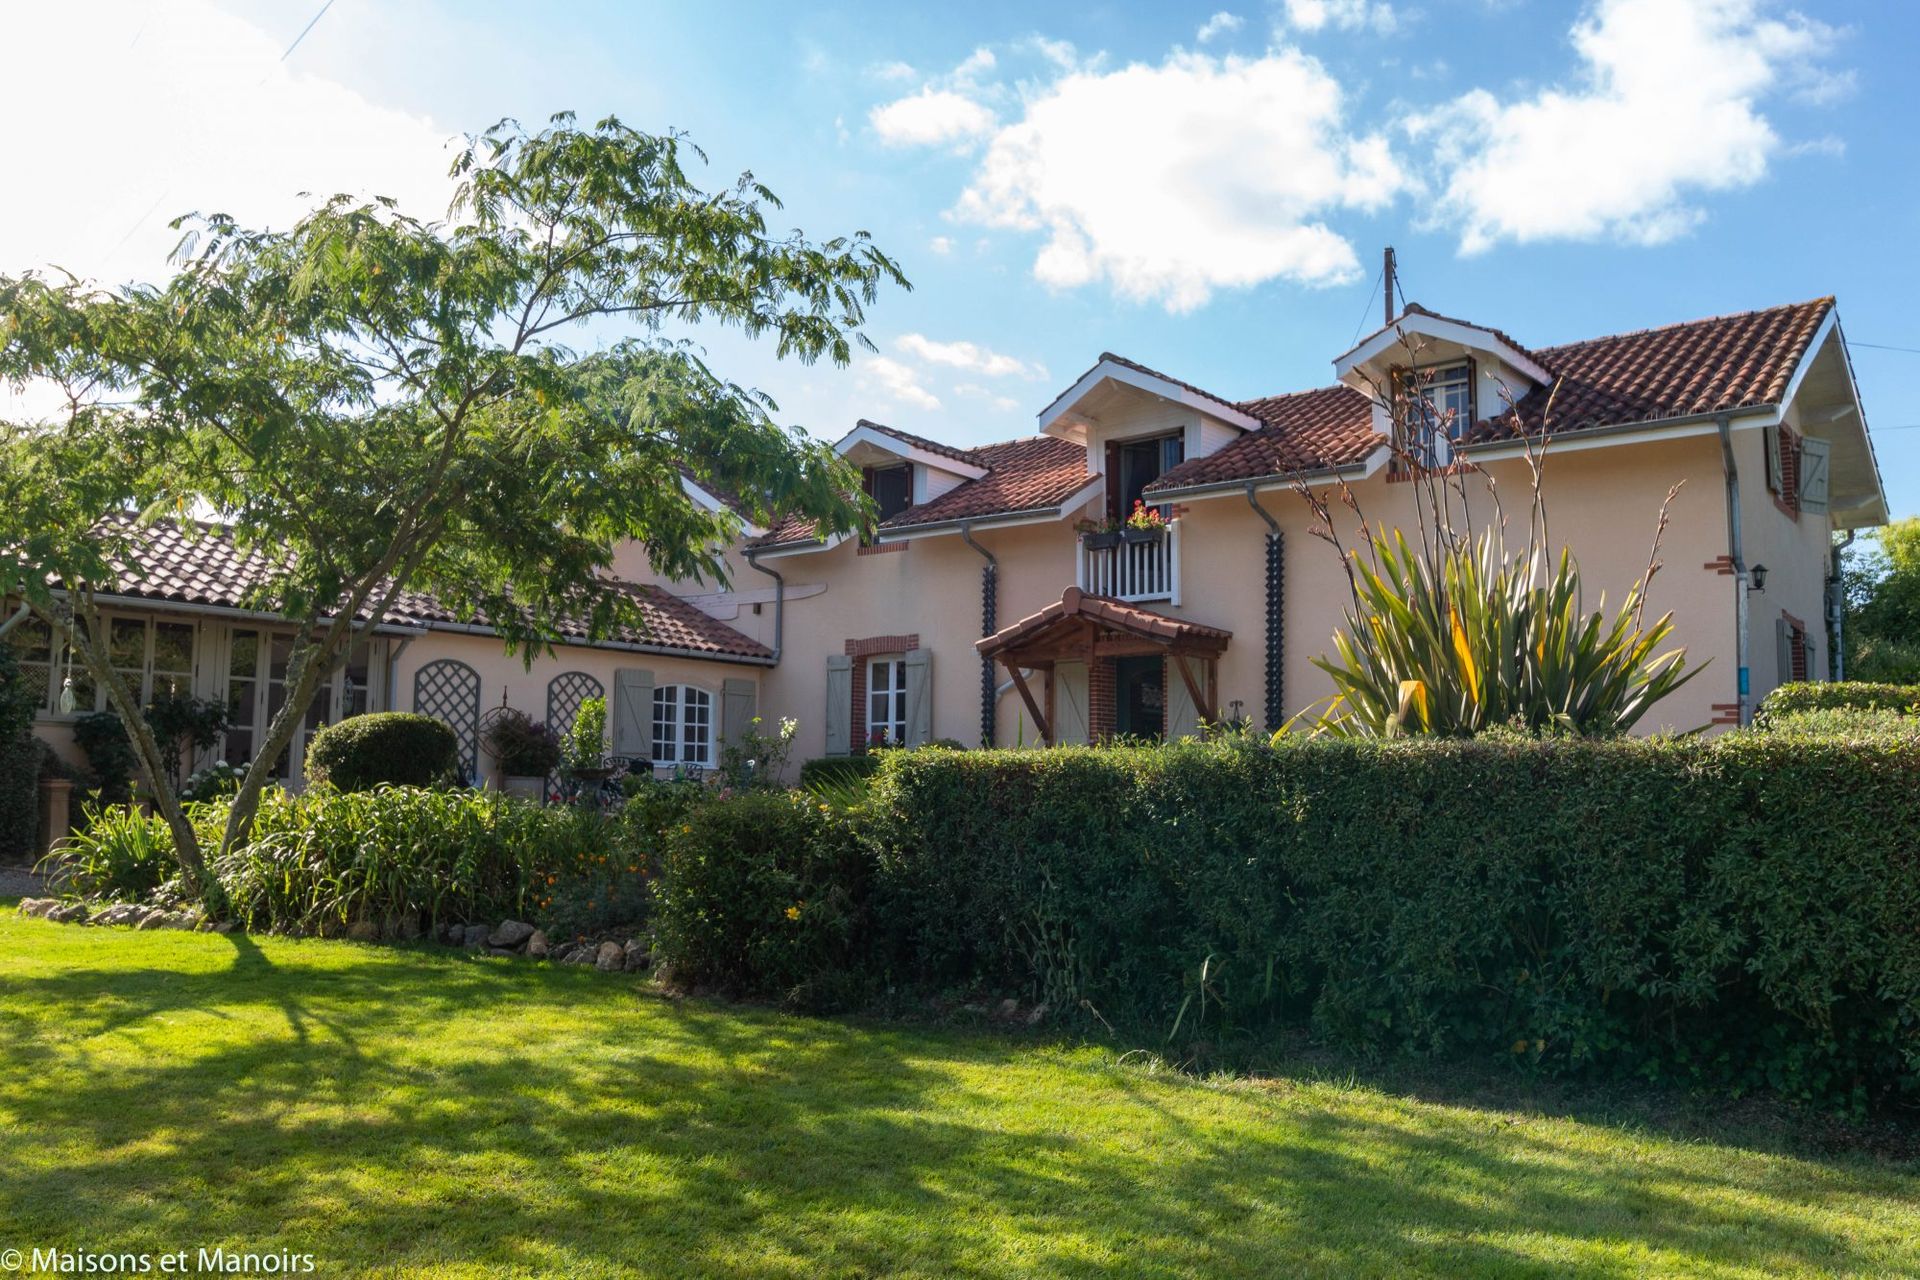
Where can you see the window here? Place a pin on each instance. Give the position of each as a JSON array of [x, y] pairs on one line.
[[32, 644], [682, 726], [243, 690], [1436, 406], [886, 702], [1132, 465], [891, 488], [154, 658]]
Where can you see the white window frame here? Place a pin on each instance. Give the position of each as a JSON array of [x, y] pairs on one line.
[[336, 691], [680, 702], [143, 689], [893, 693], [1427, 400]]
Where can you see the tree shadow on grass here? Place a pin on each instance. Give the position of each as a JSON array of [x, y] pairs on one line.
[[386, 1109]]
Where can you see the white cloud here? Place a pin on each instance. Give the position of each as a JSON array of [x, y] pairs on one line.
[[891, 380], [185, 107], [967, 355], [929, 118], [995, 401], [892, 72], [1347, 15], [1667, 106], [942, 245], [1220, 24], [1175, 180]]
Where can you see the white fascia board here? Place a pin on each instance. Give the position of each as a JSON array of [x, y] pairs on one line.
[[708, 502], [907, 452], [798, 549], [1045, 515], [1830, 329], [1108, 371], [1466, 335]]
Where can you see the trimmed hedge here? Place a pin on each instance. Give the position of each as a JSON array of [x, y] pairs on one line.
[[1737, 912], [394, 747], [1836, 695]]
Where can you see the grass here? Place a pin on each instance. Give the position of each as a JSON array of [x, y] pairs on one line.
[[414, 1113]]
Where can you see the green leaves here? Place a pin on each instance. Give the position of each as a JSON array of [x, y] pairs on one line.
[[1469, 638]]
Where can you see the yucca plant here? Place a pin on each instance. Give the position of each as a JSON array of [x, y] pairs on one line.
[[1471, 638]]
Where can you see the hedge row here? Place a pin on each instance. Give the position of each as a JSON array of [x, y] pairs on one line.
[[1848, 695], [1738, 912]]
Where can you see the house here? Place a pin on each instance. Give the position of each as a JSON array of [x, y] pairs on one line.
[[989, 605]]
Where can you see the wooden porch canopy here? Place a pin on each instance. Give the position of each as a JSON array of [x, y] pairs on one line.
[[1082, 628]]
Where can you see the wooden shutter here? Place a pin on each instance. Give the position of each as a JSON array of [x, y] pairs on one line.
[[633, 713], [1071, 708], [1770, 443], [1183, 718], [1783, 649], [839, 717], [1814, 470], [737, 699], [919, 664]]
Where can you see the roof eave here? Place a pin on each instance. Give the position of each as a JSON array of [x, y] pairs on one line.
[[998, 520], [1105, 370]]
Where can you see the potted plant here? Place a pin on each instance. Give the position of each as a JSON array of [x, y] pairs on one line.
[[584, 754], [1101, 536], [525, 750], [1144, 524]]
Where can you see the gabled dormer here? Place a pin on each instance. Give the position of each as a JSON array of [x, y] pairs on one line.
[[899, 470], [1432, 378]]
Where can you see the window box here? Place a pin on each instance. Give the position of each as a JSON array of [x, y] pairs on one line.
[[1102, 541], [1143, 535]]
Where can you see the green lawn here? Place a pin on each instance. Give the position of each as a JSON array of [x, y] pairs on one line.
[[428, 1113]]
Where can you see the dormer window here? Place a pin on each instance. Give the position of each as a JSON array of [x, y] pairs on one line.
[[891, 488], [1434, 407]]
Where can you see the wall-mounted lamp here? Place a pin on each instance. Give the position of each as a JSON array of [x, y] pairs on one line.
[[1757, 575]]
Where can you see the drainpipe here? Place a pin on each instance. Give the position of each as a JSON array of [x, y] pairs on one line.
[[989, 623], [1737, 552], [393, 670], [1837, 608], [1276, 702], [779, 605]]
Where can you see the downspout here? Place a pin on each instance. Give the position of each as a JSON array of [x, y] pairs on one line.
[[1737, 553], [393, 671], [779, 604], [989, 623], [1837, 608], [1276, 701]]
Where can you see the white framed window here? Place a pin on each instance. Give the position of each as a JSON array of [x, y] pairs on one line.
[[682, 726], [155, 656], [1437, 408], [32, 643], [886, 702]]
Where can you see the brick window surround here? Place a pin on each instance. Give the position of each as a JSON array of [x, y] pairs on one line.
[[860, 651]]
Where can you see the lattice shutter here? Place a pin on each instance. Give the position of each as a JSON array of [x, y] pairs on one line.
[[565, 693], [449, 691]]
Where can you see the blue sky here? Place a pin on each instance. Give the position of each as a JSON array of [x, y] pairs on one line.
[[1205, 189]]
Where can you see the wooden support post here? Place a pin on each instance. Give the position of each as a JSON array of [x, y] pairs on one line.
[[1033, 707], [1200, 703]]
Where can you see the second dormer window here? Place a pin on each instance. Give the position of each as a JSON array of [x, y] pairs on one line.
[[1436, 408], [891, 489]]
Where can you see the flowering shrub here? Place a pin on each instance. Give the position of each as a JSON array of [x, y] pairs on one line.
[[1144, 518]]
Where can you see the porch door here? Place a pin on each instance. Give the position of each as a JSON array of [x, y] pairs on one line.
[[1139, 697]]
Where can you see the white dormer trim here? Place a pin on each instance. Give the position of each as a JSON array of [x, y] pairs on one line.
[[907, 452], [1472, 337], [708, 502], [1054, 419], [807, 547]]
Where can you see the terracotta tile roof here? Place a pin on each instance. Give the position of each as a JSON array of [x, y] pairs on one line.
[[198, 564], [1678, 370], [1107, 612], [1031, 474], [1697, 367]]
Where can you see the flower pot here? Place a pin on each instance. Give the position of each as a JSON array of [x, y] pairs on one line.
[[600, 774], [1143, 535], [1102, 541], [530, 788]]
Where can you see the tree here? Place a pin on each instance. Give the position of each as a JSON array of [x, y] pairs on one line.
[[383, 405], [1882, 582]]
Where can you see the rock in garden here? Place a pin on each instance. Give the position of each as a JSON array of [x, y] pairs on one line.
[[37, 907], [580, 955], [224, 926], [401, 928], [611, 958], [474, 936], [1009, 1008], [70, 913], [537, 946], [1037, 1016], [509, 933], [363, 931], [637, 956], [154, 919], [120, 913]]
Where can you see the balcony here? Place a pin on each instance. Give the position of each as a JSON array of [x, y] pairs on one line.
[[1131, 567]]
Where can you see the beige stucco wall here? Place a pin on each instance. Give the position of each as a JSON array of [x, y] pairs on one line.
[[1795, 549]]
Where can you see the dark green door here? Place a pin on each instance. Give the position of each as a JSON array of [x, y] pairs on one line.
[[1140, 697]]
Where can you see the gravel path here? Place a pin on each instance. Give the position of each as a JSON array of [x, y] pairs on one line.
[[18, 882]]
